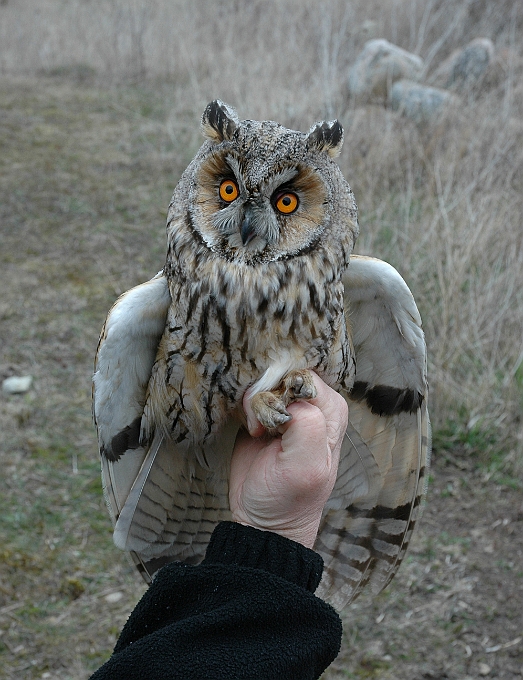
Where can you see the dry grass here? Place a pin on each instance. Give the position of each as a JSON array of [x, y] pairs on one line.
[[442, 203], [100, 106]]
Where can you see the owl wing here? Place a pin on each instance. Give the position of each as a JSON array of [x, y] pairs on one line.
[[379, 492], [164, 507]]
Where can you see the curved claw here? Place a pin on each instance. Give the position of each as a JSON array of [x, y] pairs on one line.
[[270, 410]]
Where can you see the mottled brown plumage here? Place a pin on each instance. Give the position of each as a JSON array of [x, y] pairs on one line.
[[255, 292]]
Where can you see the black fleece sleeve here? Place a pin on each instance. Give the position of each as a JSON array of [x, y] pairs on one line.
[[247, 611]]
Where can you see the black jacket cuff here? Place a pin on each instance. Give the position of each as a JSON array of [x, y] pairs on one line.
[[233, 543]]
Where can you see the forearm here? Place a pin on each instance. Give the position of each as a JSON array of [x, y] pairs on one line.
[[248, 611]]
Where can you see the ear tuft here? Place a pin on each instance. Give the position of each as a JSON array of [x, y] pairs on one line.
[[219, 121], [326, 136]]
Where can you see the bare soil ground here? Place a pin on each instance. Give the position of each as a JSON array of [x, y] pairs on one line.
[[86, 177]]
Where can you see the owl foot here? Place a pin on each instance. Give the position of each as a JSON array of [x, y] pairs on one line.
[[270, 411], [298, 385], [270, 408]]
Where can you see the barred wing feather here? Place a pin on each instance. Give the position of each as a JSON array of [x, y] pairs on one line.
[[363, 540], [172, 508], [124, 359], [162, 507]]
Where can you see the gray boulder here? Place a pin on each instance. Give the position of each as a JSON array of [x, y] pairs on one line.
[[419, 102], [379, 65], [465, 68]]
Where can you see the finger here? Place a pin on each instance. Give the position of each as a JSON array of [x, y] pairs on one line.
[[334, 408], [306, 456], [305, 436], [246, 450], [245, 455], [327, 400]]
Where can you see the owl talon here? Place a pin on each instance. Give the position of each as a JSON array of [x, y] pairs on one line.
[[298, 385], [270, 410]]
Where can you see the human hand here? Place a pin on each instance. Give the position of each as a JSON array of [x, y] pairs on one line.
[[281, 484]]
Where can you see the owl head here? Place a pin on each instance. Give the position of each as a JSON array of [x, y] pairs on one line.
[[258, 192]]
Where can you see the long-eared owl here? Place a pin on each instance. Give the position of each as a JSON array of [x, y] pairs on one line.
[[260, 286]]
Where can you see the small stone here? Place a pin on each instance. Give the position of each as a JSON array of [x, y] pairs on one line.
[[113, 597], [17, 384], [419, 102], [378, 66], [484, 669]]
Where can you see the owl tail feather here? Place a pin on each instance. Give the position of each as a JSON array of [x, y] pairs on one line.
[[172, 506]]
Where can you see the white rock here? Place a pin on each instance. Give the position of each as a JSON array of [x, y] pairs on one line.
[[419, 102], [466, 67], [113, 597], [17, 384], [378, 66]]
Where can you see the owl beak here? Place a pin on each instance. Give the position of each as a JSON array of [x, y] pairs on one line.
[[247, 229]]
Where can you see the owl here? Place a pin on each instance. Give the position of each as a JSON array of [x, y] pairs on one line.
[[260, 287]]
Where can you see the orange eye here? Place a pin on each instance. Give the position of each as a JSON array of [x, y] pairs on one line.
[[287, 203], [228, 190]]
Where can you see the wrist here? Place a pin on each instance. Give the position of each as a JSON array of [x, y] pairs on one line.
[[299, 530]]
